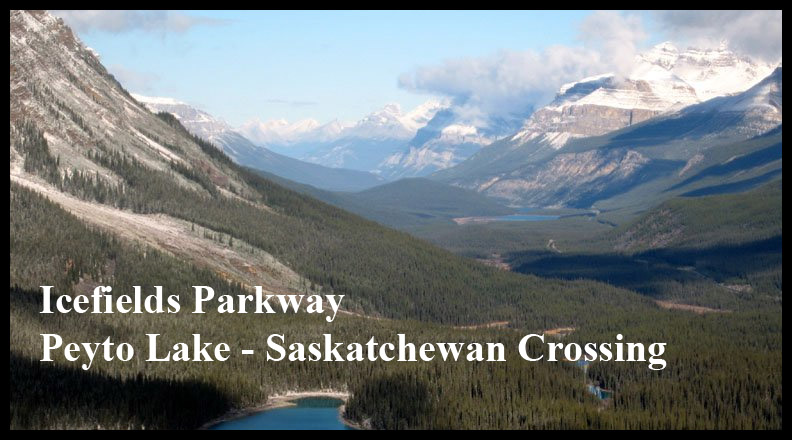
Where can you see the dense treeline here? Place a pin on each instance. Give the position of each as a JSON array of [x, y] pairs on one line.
[[702, 222], [723, 370], [32, 144], [68, 398], [381, 271], [94, 257], [720, 251]]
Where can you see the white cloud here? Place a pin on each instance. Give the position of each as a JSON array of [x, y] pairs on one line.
[[756, 34], [615, 36], [511, 82], [506, 82], [125, 21], [132, 79]]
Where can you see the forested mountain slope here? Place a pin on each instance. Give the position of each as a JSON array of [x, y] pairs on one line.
[[105, 192], [74, 130], [405, 203], [722, 251], [244, 152]]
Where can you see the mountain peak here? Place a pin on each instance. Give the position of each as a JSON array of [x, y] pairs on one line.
[[54, 75], [762, 102], [278, 130], [666, 46], [663, 79]]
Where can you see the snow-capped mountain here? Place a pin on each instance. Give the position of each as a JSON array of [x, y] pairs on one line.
[[198, 122], [362, 145], [658, 153], [389, 122], [436, 136], [442, 143], [441, 151], [761, 103], [245, 152], [663, 79], [283, 132], [451, 139]]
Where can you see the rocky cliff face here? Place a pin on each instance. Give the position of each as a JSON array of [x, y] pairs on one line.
[[556, 127], [61, 87], [244, 152], [532, 167], [71, 121], [571, 179], [663, 79]]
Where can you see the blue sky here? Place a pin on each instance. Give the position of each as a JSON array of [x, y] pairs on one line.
[[241, 65]]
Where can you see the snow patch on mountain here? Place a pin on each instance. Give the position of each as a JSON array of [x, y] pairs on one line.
[[663, 79], [389, 122], [711, 72], [765, 96], [155, 100], [421, 158], [281, 130], [421, 115], [196, 121]]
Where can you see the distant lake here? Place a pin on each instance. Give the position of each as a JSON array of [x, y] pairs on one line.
[[308, 413], [524, 218]]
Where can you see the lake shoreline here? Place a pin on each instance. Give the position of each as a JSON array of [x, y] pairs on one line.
[[285, 400]]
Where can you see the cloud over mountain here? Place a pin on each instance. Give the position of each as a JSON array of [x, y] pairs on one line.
[[125, 21], [752, 33], [504, 82], [511, 82]]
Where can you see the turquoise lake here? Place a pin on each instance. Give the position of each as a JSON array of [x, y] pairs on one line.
[[309, 413]]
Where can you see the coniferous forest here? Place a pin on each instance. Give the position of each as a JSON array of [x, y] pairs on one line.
[[724, 370], [105, 191]]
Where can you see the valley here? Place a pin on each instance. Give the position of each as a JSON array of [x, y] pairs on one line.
[[660, 221], [688, 252]]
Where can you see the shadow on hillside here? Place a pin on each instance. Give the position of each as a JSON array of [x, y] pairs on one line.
[[605, 187], [690, 124], [47, 395], [748, 161], [733, 187], [646, 271], [397, 401]]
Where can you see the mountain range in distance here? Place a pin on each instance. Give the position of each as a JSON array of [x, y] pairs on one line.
[[403, 203], [604, 141], [388, 143], [109, 190], [654, 154], [663, 79], [243, 151], [607, 143]]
